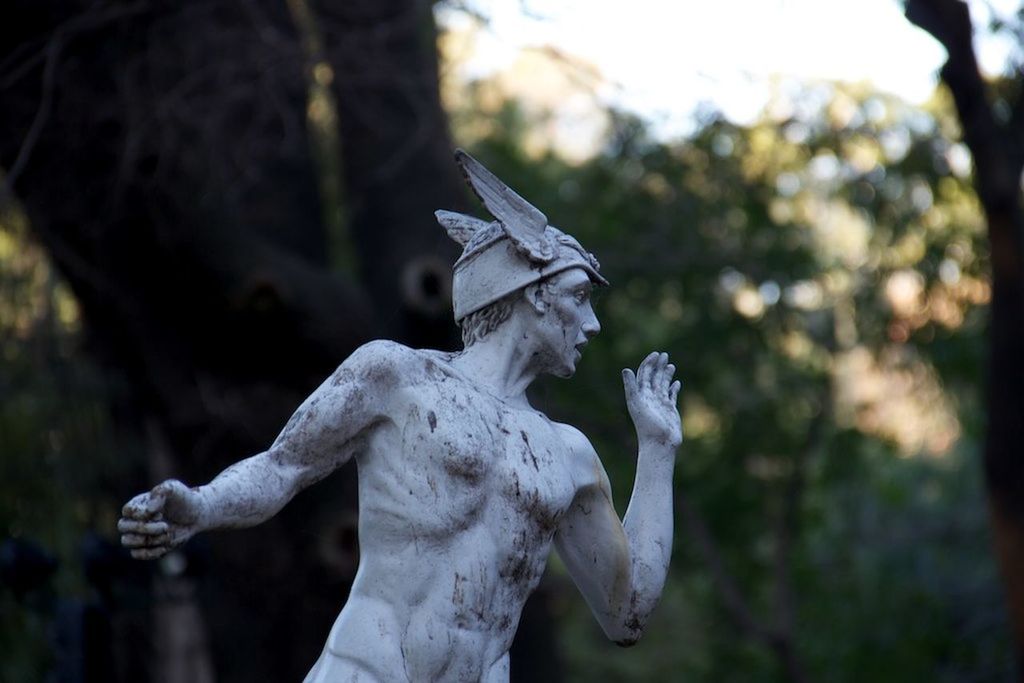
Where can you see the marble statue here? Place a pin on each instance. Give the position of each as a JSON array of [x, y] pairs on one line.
[[463, 486]]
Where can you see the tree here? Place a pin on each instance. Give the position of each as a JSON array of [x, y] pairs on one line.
[[821, 275], [996, 142], [162, 155]]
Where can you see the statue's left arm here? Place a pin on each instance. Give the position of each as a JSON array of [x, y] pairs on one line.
[[620, 567]]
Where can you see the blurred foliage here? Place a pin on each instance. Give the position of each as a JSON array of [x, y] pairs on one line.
[[59, 458], [820, 279]]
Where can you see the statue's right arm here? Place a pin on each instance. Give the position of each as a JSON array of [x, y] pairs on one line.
[[323, 434]]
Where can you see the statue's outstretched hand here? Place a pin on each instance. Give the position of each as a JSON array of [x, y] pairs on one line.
[[651, 398], [156, 522]]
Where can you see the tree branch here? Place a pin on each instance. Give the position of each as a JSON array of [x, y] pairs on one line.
[[727, 586], [53, 49], [787, 532], [997, 169], [780, 636], [82, 22]]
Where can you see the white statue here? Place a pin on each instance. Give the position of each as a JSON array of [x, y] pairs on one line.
[[463, 486]]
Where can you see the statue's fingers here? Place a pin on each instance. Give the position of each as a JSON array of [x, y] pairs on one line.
[[658, 370], [132, 507], [141, 507], [145, 540], [666, 377], [178, 506], [629, 383], [151, 505], [648, 368], [179, 535], [133, 526], [149, 553], [167, 490], [673, 391], [657, 377]]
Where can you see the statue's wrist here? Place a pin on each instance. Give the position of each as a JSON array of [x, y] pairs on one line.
[[657, 452], [204, 520], [657, 439]]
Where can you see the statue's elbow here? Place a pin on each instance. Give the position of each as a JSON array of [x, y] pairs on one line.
[[626, 633], [629, 641]]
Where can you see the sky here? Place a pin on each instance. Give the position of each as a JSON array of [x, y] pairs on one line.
[[664, 58]]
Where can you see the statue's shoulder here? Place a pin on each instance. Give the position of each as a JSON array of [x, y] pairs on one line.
[[588, 471], [575, 441], [381, 351], [390, 364], [380, 362]]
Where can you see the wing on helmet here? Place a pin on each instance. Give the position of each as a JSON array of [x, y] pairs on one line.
[[524, 223], [459, 226]]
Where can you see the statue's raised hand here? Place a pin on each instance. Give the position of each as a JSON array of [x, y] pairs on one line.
[[158, 521], [651, 398]]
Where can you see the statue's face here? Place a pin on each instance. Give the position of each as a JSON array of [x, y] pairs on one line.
[[567, 322]]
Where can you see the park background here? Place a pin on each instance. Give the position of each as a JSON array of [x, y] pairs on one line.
[[206, 207]]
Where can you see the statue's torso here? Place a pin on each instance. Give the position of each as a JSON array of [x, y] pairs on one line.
[[460, 495]]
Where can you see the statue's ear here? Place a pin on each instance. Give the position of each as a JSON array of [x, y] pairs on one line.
[[459, 226], [536, 297]]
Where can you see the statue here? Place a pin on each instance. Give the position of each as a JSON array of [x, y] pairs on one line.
[[463, 486]]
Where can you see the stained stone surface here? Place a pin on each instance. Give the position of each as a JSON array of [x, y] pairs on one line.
[[464, 487]]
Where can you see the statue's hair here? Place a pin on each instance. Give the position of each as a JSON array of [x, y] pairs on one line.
[[479, 324]]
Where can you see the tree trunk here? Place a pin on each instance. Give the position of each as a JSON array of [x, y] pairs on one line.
[[161, 153], [997, 151], [398, 160]]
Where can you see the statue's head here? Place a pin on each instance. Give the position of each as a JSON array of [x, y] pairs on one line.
[[517, 254]]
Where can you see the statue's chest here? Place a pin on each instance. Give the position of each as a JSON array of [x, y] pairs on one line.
[[532, 478], [469, 447]]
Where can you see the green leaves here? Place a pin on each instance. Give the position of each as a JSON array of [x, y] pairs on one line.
[[820, 280]]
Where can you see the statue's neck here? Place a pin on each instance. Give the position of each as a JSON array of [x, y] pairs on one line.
[[501, 364]]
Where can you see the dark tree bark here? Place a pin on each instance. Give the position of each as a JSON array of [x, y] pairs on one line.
[[391, 125], [161, 152], [997, 149]]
